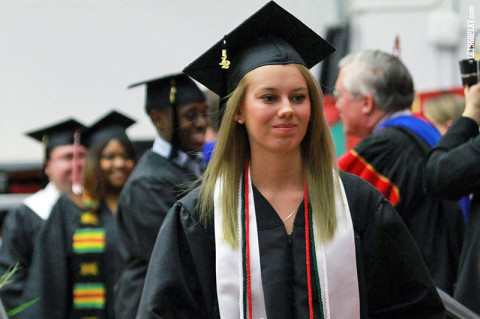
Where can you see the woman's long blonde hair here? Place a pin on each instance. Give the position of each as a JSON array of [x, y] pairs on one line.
[[232, 150]]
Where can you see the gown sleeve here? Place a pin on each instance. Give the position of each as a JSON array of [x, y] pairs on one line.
[[394, 280], [141, 211], [453, 169], [48, 275], [400, 284], [19, 231], [179, 278]]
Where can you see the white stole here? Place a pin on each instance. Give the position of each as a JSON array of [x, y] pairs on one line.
[[336, 263], [42, 201]]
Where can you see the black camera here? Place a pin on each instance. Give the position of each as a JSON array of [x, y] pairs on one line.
[[470, 70]]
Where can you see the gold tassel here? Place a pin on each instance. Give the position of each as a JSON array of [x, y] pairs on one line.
[[173, 91], [225, 63]]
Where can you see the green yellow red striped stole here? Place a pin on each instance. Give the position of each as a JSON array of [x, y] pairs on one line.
[[89, 295], [89, 243], [89, 240]]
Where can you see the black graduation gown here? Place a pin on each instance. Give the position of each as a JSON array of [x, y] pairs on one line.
[[393, 279], [453, 171], [151, 190], [19, 231], [50, 276], [398, 155]]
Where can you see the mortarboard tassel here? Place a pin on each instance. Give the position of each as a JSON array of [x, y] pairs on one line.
[[76, 185], [173, 92], [225, 64], [175, 139], [396, 47]]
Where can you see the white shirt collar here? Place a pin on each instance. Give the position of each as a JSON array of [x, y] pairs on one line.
[[392, 115], [162, 147]]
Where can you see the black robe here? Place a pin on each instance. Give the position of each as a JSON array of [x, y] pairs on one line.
[[50, 275], [453, 171], [393, 160], [151, 190], [393, 279], [19, 232]]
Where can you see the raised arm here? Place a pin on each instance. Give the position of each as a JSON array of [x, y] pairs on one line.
[[453, 166]]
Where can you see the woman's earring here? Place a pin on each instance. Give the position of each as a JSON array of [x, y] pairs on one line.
[[240, 121]]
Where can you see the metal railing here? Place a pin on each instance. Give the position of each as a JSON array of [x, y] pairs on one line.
[[9, 201], [455, 310]]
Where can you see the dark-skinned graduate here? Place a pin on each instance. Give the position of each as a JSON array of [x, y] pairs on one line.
[[178, 110]]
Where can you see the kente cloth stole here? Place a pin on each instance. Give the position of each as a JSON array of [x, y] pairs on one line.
[[89, 244], [331, 266]]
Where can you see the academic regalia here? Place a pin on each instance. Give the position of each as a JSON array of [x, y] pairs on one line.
[[111, 125], [151, 190], [22, 224], [59, 134], [184, 279], [73, 268], [453, 171], [159, 179], [208, 150], [393, 160], [393, 279], [19, 231], [52, 269]]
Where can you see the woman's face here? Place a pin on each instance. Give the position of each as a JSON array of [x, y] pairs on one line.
[[276, 108], [115, 164]]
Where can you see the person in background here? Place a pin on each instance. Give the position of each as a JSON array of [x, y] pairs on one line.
[[62, 161], [453, 171], [178, 111], [374, 92], [213, 102], [441, 111], [73, 269], [274, 230]]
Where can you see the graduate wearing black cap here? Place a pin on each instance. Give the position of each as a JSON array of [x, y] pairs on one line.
[[274, 230], [73, 269], [21, 225], [177, 108]]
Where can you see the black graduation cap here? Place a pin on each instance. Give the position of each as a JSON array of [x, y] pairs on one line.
[[270, 36], [59, 134], [160, 89], [111, 125]]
